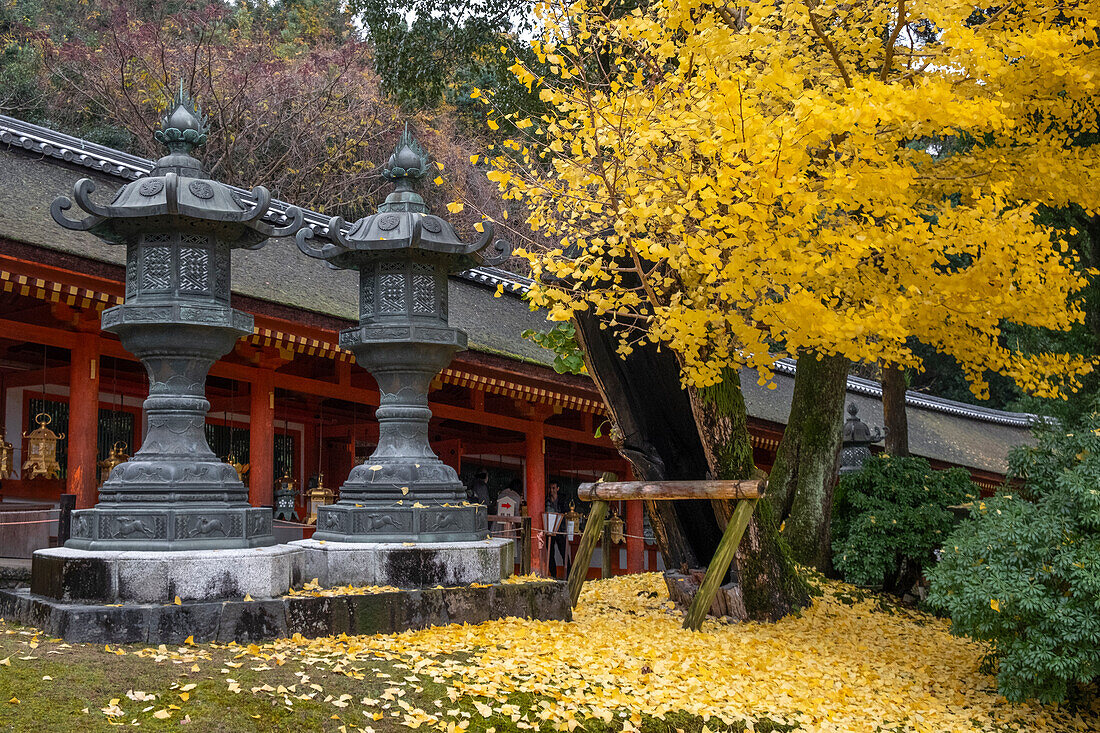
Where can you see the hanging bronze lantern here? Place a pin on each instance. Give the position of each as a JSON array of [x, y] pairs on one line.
[[116, 456], [319, 495], [7, 457], [42, 450], [286, 490], [572, 522], [615, 528], [240, 468]]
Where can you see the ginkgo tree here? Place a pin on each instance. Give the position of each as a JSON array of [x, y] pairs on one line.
[[738, 183]]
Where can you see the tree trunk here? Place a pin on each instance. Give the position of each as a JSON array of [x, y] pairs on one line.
[[800, 487], [655, 435], [893, 410], [770, 585], [656, 429]]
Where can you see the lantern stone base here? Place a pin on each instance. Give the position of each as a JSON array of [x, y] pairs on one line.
[[407, 564], [310, 616], [379, 522], [71, 575], [260, 620]]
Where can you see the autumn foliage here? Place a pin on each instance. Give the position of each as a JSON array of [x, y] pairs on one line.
[[791, 177], [290, 89]]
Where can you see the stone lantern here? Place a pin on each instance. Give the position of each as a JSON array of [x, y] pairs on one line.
[[856, 438], [403, 492], [178, 227]]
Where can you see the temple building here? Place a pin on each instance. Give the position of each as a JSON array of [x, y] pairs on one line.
[[289, 404]]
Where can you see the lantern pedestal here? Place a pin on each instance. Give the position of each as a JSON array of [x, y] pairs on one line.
[[403, 492], [407, 564], [174, 493]]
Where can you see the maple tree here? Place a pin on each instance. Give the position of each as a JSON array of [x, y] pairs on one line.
[[289, 89], [738, 184]]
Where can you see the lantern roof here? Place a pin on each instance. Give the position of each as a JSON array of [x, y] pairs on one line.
[[857, 431], [404, 222], [177, 194]]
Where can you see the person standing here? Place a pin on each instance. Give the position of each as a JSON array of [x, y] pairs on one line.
[[555, 502], [480, 488]]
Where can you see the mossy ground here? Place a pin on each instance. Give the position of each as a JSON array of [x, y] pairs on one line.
[[849, 663], [63, 687]]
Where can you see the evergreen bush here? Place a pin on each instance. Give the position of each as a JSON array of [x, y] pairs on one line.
[[1023, 573], [890, 518]]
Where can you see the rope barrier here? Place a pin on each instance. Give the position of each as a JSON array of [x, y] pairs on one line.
[[32, 521]]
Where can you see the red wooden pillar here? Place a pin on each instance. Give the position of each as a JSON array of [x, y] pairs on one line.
[[535, 476], [81, 468], [634, 543], [261, 434]]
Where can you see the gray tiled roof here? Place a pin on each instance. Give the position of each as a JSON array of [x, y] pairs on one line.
[[940, 429]]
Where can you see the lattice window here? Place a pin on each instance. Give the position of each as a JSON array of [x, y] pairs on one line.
[[392, 287], [221, 271], [194, 269], [423, 289], [366, 295], [131, 270], [157, 269]]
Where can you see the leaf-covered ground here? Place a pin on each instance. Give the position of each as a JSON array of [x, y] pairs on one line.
[[850, 663]]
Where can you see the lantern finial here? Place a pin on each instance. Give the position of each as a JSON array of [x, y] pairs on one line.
[[183, 127], [408, 163]]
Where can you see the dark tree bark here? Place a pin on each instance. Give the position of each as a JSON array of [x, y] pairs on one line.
[[893, 410], [800, 487], [667, 433]]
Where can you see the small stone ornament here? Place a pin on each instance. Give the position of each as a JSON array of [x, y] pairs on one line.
[[42, 450], [179, 228], [857, 436], [286, 491], [403, 254]]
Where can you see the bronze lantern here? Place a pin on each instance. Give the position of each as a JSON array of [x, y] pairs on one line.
[[42, 450], [320, 495], [116, 456], [7, 457], [615, 528], [572, 522], [240, 468]]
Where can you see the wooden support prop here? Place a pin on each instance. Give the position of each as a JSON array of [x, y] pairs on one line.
[[593, 530], [719, 564], [671, 490]]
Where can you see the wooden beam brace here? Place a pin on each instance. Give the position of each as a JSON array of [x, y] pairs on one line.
[[593, 533], [719, 564], [649, 490]]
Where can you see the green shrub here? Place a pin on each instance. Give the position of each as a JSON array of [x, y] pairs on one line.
[[891, 517], [1023, 573]]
